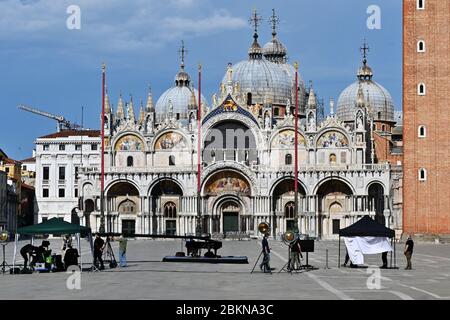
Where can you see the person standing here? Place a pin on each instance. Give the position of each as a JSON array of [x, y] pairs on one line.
[[122, 251], [296, 252], [99, 245], [67, 241], [265, 265], [409, 248], [384, 257]]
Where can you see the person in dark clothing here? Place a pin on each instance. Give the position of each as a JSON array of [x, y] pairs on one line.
[[27, 252], [265, 266], [384, 257], [409, 248], [347, 259], [295, 254], [42, 253], [99, 245], [71, 256]]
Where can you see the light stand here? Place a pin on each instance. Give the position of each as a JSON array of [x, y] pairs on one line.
[[4, 236]]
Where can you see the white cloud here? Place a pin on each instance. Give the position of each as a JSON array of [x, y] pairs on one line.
[[112, 26]]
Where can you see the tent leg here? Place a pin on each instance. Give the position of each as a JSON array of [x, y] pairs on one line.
[[339, 254], [81, 254], [16, 239], [395, 256], [391, 255]]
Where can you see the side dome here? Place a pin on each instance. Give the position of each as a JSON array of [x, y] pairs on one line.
[[378, 99], [178, 99]]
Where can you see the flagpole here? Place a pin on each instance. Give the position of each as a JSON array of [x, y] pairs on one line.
[[199, 158], [296, 149], [102, 171]]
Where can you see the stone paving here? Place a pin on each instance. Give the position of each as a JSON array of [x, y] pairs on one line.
[[146, 277]]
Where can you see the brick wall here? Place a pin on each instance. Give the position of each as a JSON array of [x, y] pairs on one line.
[[427, 204]]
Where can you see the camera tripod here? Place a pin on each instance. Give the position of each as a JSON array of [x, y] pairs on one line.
[[4, 263], [265, 263], [109, 255], [287, 265]]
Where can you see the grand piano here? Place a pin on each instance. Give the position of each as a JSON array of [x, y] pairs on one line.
[[194, 247]]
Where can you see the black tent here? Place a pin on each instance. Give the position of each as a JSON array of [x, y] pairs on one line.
[[366, 227]]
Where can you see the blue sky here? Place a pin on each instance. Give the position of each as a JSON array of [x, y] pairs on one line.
[[46, 65]]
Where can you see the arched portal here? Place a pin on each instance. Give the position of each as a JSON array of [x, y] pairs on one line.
[[283, 205], [227, 194], [334, 203], [89, 207], [376, 201], [123, 204], [230, 211], [165, 205]]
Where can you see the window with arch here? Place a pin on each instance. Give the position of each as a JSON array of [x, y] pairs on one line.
[[420, 4], [171, 160], [383, 128], [288, 159], [421, 89], [422, 174], [333, 158], [422, 132], [421, 46], [130, 161], [170, 210], [289, 210]]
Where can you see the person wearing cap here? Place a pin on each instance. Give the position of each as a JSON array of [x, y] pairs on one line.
[[409, 247]]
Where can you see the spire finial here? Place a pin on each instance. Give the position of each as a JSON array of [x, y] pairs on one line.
[[255, 21], [274, 21], [182, 51], [364, 49]]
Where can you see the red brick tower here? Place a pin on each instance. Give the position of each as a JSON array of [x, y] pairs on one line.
[[426, 105]]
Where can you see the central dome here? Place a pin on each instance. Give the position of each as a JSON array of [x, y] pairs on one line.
[[268, 81], [264, 80]]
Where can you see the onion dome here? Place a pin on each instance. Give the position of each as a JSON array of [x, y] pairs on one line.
[[263, 80], [378, 100], [178, 97], [274, 50]]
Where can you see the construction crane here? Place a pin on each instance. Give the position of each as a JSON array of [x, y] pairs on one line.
[[63, 124]]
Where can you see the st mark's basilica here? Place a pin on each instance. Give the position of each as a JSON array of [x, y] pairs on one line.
[[247, 167]]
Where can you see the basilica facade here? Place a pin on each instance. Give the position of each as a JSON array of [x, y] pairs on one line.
[[247, 138]]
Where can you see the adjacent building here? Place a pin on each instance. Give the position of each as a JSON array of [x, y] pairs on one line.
[[59, 157]]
